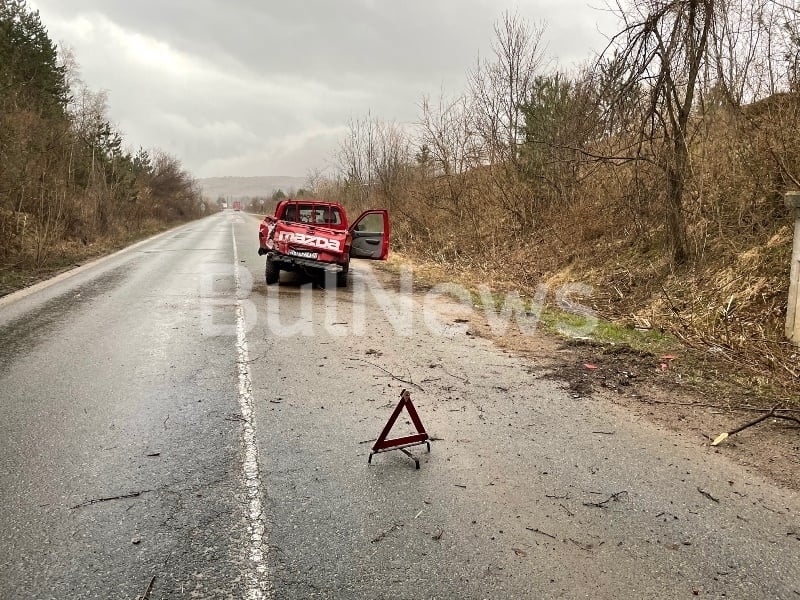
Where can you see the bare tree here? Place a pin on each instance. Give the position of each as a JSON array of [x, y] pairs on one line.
[[373, 160], [314, 179], [500, 85], [448, 132], [392, 161], [356, 157], [663, 50]]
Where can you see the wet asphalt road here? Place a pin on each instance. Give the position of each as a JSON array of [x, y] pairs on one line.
[[131, 408]]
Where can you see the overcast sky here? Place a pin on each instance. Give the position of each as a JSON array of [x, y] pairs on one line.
[[267, 87]]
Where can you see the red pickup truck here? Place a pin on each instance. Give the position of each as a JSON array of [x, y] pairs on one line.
[[315, 236]]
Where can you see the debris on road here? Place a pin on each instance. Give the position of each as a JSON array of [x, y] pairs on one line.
[[773, 413], [389, 373], [708, 495], [585, 547], [612, 498], [148, 589], [539, 531], [109, 498], [383, 534]]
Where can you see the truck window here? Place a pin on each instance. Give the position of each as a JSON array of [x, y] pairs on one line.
[[290, 213], [304, 213], [327, 215], [372, 223]]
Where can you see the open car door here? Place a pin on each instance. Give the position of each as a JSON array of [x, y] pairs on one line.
[[370, 233]]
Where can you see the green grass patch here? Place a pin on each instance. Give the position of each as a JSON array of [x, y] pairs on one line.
[[560, 322]]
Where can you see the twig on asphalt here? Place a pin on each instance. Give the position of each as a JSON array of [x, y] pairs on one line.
[[438, 536], [585, 547], [708, 495], [383, 534], [148, 589], [109, 498], [390, 374], [464, 379], [566, 510], [539, 531], [663, 514], [612, 498]]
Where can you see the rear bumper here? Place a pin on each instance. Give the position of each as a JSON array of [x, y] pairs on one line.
[[289, 262]]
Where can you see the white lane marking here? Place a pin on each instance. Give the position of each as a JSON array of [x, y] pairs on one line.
[[257, 583]]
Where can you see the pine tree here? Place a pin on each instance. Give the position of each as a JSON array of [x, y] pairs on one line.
[[30, 76]]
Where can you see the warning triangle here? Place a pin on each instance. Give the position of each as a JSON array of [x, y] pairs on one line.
[[383, 444]]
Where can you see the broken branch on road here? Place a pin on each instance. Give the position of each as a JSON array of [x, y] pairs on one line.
[[708, 495], [539, 531], [773, 413], [109, 498], [148, 589], [612, 498], [383, 534], [390, 374]]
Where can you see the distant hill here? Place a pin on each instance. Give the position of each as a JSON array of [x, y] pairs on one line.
[[249, 187]]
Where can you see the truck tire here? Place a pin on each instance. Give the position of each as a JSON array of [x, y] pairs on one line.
[[341, 276], [272, 273]]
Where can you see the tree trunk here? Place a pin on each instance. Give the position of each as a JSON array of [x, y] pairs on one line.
[[676, 228]]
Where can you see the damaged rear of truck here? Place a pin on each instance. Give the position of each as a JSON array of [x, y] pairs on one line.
[[314, 236]]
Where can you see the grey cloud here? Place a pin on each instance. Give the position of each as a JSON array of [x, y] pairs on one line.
[[324, 40], [266, 84]]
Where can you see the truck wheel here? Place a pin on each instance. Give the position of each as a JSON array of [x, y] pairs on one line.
[[272, 273], [341, 276]]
